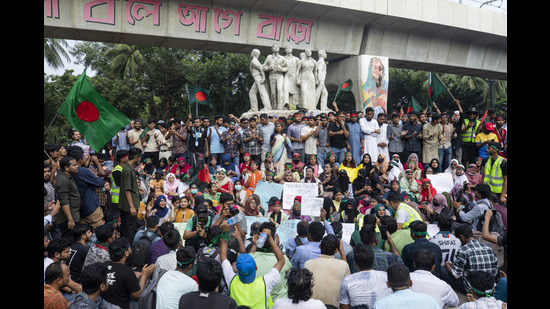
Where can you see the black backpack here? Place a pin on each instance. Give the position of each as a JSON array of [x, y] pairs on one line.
[[140, 251]]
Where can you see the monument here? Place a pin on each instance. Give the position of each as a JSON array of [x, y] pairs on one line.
[[288, 83]]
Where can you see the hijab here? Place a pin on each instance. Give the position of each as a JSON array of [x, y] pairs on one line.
[[172, 186], [161, 212], [248, 211], [223, 181], [350, 213]]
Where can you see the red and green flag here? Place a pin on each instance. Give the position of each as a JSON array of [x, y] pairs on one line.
[[346, 87], [413, 106], [198, 95], [89, 113], [435, 88]]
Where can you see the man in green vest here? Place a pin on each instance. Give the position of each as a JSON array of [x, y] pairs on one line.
[[244, 287], [495, 173], [470, 128], [121, 159], [404, 214]]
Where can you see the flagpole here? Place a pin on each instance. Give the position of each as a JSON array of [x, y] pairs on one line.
[[337, 92], [445, 87]]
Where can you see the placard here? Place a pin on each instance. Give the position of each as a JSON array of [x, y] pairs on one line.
[[287, 230], [266, 190], [442, 182], [293, 189], [312, 206]]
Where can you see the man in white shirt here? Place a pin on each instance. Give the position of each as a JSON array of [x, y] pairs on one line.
[[425, 282], [366, 286], [175, 283], [371, 129]]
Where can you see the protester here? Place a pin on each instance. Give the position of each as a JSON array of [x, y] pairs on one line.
[[327, 151]]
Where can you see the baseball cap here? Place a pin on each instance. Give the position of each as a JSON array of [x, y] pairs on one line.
[[246, 267], [202, 211]]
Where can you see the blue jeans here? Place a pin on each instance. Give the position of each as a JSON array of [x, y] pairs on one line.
[[339, 153], [445, 155]]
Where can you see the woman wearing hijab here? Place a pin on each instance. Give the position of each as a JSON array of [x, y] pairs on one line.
[[349, 212], [160, 209], [225, 184], [452, 166], [435, 207], [473, 175], [296, 210], [459, 176], [410, 185], [252, 206], [171, 186], [361, 185], [427, 192], [343, 184], [414, 157]]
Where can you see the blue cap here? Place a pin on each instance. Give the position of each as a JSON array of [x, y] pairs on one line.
[[246, 267]]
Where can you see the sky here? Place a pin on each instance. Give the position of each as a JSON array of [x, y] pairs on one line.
[[78, 69]]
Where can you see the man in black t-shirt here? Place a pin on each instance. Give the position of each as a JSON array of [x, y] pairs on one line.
[[338, 132], [209, 275], [198, 143]]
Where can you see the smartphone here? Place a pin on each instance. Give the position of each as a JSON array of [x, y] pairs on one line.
[[383, 230]]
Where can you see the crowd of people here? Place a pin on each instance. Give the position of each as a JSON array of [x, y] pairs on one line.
[[111, 216]]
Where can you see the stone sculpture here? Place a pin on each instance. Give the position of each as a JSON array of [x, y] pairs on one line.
[[259, 86]]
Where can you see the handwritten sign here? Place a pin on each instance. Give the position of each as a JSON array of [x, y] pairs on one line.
[[312, 207], [347, 230], [293, 189], [266, 190], [287, 230], [442, 182]]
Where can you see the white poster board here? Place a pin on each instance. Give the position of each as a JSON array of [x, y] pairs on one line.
[[442, 182], [266, 190], [312, 206], [347, 230], [293, 189]]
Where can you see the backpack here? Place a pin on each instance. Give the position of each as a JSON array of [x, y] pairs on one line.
[[298, 241], [140, 251], [148, 297], [496, 219]]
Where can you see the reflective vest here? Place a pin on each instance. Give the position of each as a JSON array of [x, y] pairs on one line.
[[413, 214], [115, 188], [470, 135], [250, 294], [493, 175]]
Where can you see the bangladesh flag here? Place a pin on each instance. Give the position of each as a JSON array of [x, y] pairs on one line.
[[89, 113], [413, 106], [346, 86], [436, 87], [198, 95]]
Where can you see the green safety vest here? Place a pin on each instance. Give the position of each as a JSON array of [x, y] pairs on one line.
[[115, 188], [493, 175], [470, 135], [414, 215], [250, 294]]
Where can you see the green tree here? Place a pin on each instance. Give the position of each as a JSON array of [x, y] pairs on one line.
[[53, 50], [126, 61]]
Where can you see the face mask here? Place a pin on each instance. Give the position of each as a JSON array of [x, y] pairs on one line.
[[194, 191], [238, 187], [380, 160], [296, 212]]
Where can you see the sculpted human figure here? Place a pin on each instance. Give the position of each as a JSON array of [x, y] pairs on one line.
[[276, 65], [307, 80], [320, 89], [291, 88], [259, 84]]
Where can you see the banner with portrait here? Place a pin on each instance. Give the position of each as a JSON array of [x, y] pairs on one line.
[[374, 72]]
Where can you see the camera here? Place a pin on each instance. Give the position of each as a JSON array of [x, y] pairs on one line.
[[233, 210]]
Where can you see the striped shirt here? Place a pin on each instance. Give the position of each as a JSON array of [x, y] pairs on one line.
[[53, 299]]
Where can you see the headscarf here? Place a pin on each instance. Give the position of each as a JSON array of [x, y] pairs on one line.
[[473, 179], [366, 166], [441, 200], [424, 194], [248, 211], [462, 178], [384, 164], [225, 178], [291, 174], [172, 186], [449, 169], [351, 213], [161, 212], [343, 181]]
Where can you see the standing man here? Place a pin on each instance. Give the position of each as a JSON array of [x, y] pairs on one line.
[[371, 129], [432, 134], [495, 173], [179, 134], [253, 139], [198, 142], [338, 132], [323, 146], [469, 130], [394, 134], [214, 136], [309, 137], [267, 127], [291, 88], [151, 138], [69, 197], [133, 135], [129, 194], [294, 132], [231, 140], [356, 138], [412, 137]]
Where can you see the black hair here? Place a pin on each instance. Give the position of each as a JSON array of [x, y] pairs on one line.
[[337, 227], [53, 272], [185, 256], [117, 248], [80, 229], [172, 239], [329, 244], [76, 152], [302, 228], [224, 197], [445, 221], [394, 196], [212, 232], [65, 162], [272, 227], [104, 232], [93, 276], [390, 222], [58, 245], [152, 221], [209, 275], [363, 256], [481, 281], [133, 152], [165, 227], [465, 230], [398, 275], [300, 282], [483, 189], [316, 230], [424, 260], [367, 234]]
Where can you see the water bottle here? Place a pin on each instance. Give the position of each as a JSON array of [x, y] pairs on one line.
[[261, 241], [232, 221]]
